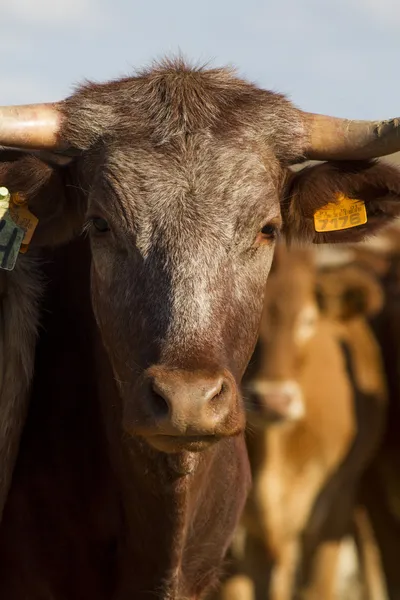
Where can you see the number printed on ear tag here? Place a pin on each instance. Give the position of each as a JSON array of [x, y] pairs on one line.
[[11, 235], [344, 214], [22, 216]]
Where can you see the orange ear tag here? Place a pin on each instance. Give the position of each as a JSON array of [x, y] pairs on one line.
[[22, 216], [344, 214]]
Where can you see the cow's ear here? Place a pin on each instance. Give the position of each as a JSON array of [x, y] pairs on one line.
[[50, 195], [363, 296], [350, 291], [375, 184]]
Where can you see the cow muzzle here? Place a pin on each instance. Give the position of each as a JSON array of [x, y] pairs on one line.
[[185, 410], [275, 400]]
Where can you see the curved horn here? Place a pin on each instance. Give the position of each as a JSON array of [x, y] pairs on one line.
[[331, 138], [35, 126]]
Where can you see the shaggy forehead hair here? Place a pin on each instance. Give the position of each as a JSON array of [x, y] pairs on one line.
[[172, 100], [195, 158], [189, 143]]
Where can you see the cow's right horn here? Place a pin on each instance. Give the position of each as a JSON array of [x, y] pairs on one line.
[[31, 126]]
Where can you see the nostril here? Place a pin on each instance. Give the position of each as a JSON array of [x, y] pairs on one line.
[[216, 391], [160, 404], [220, 402]]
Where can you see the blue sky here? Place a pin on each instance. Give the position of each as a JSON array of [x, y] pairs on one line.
[[331, 56]]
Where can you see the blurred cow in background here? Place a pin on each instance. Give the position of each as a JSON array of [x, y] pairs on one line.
[[380, 491], [316, 405]]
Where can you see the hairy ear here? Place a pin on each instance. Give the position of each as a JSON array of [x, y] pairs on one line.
[[349, 291], [375, 183], [362, 297], [51, 195]]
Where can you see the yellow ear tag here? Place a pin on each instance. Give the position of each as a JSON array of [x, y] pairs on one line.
[[344, 214], [22, 216]]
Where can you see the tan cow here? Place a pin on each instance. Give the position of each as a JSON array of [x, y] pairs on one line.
[[380, 491], [316, 404]]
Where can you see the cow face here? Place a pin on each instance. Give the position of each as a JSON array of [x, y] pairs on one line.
[[181, 182], [182, 241]]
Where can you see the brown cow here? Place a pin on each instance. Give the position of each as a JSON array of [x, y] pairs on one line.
[[380, 493], [351, 295], [132, 470], [380, 490], [316, 400]]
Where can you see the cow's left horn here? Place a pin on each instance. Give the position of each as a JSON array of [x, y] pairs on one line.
[[33, 126], [331, 138]]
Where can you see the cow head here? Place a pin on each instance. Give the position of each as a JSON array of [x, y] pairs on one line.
[[348, 293], [180, 179]]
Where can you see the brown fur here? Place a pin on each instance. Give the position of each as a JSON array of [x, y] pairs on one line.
[[381, 485], [187, 166], [305, 472], [20, 294]]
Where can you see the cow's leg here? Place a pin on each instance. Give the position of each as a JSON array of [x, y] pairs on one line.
[[283, 573], [258, 579], [251, 579], [369, 558], [237, 587], [322, 583]]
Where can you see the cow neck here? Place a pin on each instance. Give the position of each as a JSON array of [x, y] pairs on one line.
[[267, 439]]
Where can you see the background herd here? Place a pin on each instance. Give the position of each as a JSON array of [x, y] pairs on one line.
[[322, 392]]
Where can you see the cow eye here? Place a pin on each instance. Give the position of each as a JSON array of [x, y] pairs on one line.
[[100, 224], [269, 231]]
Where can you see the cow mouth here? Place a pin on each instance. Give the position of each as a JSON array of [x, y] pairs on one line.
[[178, 443]]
